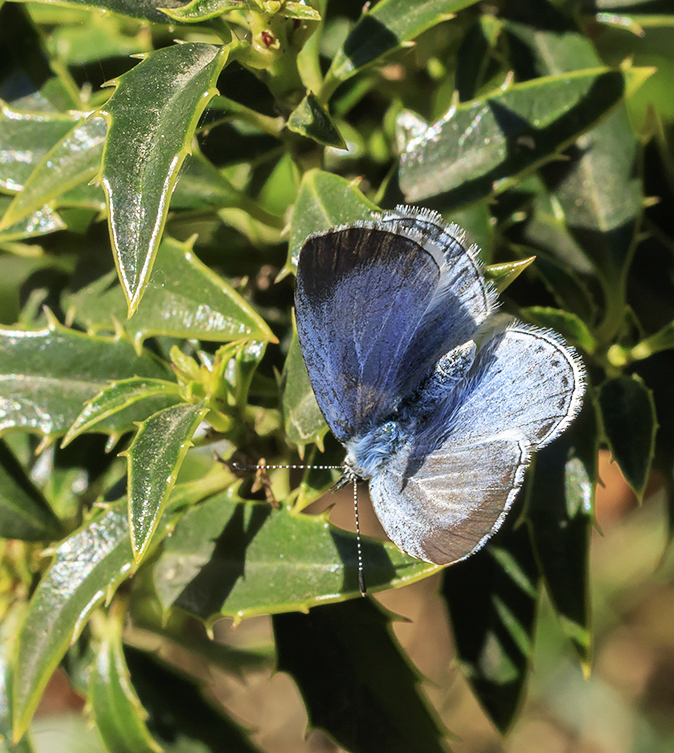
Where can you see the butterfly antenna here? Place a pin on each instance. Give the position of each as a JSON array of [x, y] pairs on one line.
[[265, 466], [359, 549]]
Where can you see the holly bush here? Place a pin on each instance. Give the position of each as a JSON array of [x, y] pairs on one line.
[[161, 164]]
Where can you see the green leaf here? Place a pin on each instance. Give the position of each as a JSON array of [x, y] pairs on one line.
[[238, 560], [72, 160], [390, 24], [183, 298], [152, 116], [9, 632], [481, 147], [118, 396], [630, 423], [201, 186], [88, 567], [503, 275], [24, 513], [661, 340], [117, 712], [202, 10], [567, 324], [355, 658], [324, 200], [304, 422], [181, 711], [147, 10], [312, 120], [41, 222], [47, 375], [154, 459], [492, 600], [560, 506], [25, 139]]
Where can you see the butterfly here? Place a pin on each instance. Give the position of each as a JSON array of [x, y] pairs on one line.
[[436, 403]]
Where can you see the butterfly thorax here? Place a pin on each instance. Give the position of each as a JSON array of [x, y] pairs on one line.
[[368, 451]]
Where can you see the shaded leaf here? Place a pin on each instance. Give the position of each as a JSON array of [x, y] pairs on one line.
[[304, 422], [492, 599], [312, 120], [382, 29], [24, 513], [151, 117], [630, 424], [575, 331], [47, 375], [201, 186], [481, 147], [358, 685], [116, 710], [154, 459], [324, 200], [118, 396], [227, 558], [183, 298], [148, 10], [179, 709], [88, 566], [74, 159]]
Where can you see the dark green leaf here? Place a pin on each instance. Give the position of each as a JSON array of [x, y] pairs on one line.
[[183, 298], [148, 10], [231, 559], [388, 25], [304, 422], [88, 567], [179, 711], [357, 685], [202, 10], [492, 600], [482, 146], [312, 120], [324, 200], [200, 186], [47, 375], [116, 710], [72, 160], [118, 396], [630, 423], [41, 222], [151, 121], [154, 459], [575, 331], [24, 513]]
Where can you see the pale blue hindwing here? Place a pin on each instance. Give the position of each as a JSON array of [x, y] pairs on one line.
[[377, 304], [455, 474]]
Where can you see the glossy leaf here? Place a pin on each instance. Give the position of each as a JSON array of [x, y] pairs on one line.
[[118, 396], [574, 330], [304, 422], [183, 298], [40, 222], [312, 120], [24, 512], [389, 24], [201, 10], [480, 147], [239, 560], [74, 159], [159, 102], [630, 424], [324, 200], [503, 275], [88, 567], [25, 139], [154, 459], [147, 10], [119, 715], [354, 656], [492, 599], [47, 375], [201, 186]]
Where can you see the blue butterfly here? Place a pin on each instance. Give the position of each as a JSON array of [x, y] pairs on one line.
[[436, 404]]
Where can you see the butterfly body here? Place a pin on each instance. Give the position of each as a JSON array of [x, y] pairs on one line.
[[438, 405]]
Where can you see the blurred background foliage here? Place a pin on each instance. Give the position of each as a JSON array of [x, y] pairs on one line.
[[151, 215]]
